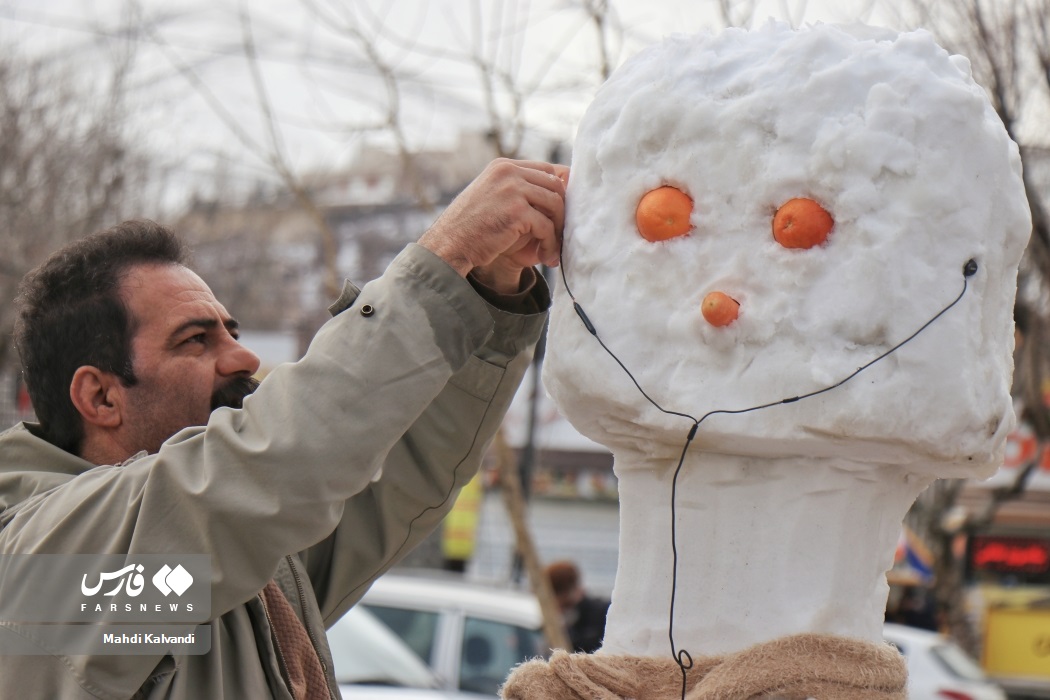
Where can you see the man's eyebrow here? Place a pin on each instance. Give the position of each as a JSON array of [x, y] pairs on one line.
[[231, 325]]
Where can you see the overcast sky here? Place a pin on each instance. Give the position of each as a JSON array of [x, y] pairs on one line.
[[190, 65]]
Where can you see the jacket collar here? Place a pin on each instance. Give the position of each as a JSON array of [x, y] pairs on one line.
[[30, 465]]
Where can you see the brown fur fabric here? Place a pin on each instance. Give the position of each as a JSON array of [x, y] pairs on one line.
[[801, 666]]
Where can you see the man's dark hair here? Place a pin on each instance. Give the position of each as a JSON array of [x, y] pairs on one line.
[[70, 314]]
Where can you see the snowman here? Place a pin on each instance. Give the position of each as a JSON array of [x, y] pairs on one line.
[[788, 276]]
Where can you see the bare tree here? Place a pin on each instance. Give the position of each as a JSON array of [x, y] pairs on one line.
[[365, 61], [605, 26], [1008, 45], [270, 149], [363, 29], [737, 13], [496, 54], [67, 163]]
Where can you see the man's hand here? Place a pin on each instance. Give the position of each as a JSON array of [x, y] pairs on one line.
[[509, 218]]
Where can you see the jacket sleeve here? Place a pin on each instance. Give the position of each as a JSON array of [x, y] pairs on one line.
[[419, 350], [427, 467]]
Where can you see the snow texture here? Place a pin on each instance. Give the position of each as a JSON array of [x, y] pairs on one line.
[[788, 515]]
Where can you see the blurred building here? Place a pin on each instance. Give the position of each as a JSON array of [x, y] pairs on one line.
[[265, 257], [1007, 565]]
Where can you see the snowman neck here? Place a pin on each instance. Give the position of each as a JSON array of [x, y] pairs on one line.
[[766, 548]]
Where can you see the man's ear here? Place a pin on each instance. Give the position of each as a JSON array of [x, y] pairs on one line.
[[97, 396]]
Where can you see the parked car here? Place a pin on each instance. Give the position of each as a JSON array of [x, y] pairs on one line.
[[372, 663], [463, 639], [470, 635], [938, 669]]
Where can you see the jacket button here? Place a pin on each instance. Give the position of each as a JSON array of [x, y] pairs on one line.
[[367, 310]]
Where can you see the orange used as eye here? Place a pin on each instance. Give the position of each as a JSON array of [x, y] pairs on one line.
[[801, 223], [664, 213]]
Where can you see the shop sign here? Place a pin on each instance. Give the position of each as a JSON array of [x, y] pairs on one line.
[[1025, 557], [1017, 643]]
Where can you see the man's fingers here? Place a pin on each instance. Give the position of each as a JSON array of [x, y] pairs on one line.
[[562, 173], [548, 191], [538, 242], [552, 177], [544, 191], [514, 210], [550, 203], [549, 168], [528, 255]]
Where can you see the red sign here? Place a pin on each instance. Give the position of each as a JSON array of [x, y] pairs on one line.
[[1010, 555]]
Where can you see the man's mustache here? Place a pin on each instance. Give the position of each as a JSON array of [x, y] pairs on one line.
[[233, 392]]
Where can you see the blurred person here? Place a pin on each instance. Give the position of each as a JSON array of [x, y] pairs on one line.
[[582, 614], [917, 609], [154, 438], [459, 529]]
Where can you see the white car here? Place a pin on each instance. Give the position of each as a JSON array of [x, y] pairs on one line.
[[371, 663], [470, 635], [938, 669]]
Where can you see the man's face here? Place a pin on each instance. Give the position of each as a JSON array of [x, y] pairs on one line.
[[185, 354]]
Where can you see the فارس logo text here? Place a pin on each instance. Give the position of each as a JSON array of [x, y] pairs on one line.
[[130, 580]]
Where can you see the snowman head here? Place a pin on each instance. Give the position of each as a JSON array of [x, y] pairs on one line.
[[883, 144]]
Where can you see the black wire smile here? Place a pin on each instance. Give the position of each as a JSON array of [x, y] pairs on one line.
[[681, 656]]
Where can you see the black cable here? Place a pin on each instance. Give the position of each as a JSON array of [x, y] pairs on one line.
[[681, 656]]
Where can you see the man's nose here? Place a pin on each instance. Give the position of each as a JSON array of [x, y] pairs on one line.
[[237, 359]]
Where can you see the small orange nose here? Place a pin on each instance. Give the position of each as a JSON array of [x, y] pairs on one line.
[[719, 308]]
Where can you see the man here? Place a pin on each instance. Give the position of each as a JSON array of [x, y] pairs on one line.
[[583, 615], [331, 471]]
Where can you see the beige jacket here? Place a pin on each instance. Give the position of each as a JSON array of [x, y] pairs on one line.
[[335, 468]]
